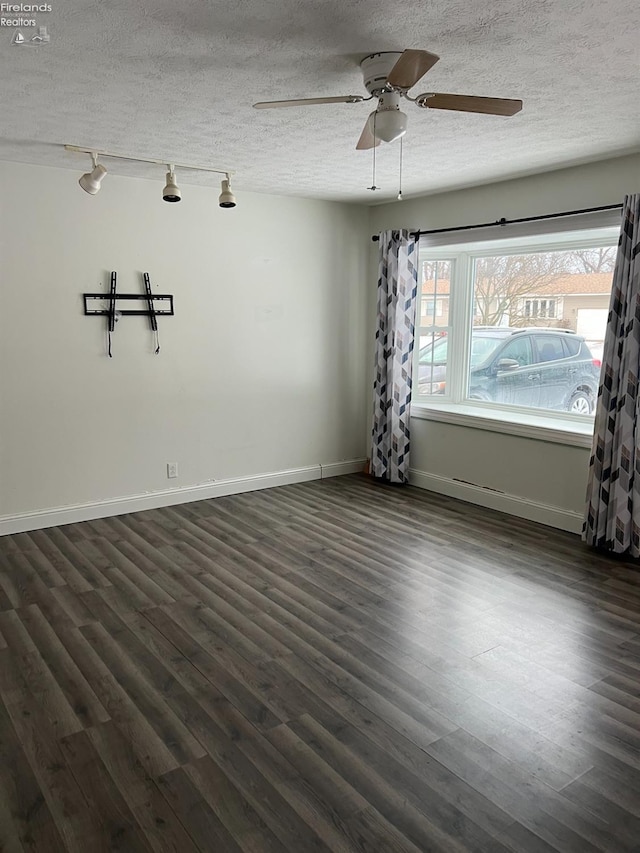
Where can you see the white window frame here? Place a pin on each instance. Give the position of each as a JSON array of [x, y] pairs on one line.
[[454, 407]]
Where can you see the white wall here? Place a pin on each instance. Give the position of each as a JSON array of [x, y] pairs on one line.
[[263, 368], [267, 365], [541, 473]]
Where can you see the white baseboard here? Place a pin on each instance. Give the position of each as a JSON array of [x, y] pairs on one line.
[[552, 516], [337, 469], [168, 497]]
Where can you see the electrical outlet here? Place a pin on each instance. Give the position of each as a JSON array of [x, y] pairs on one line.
[[172, 470]]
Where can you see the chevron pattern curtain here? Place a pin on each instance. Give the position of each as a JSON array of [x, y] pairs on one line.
[[612, 519], [395, 331]]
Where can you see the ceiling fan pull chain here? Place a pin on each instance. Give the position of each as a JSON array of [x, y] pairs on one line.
[[373, 177], [400, 176], [373, 186]]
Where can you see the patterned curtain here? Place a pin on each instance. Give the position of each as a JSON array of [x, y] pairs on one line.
[[397, 292], [612, 518]]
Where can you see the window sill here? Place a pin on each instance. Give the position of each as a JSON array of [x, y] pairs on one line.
[[526, 424]]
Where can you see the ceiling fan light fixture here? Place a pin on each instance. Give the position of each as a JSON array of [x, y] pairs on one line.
[[90, 181], [390, 124]]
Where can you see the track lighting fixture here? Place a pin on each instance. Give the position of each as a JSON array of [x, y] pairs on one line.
[[90, 181], [171, 192], [226, 198]]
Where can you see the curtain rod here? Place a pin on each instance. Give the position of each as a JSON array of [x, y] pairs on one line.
[[503, 221]]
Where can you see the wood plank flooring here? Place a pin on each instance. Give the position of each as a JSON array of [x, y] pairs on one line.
[[330, 666]]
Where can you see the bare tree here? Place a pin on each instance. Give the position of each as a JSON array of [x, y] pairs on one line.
[[504, 283], [501, 283], [436, 269], [598, 260]]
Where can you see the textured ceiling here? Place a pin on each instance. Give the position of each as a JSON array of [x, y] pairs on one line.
[[177, 80]]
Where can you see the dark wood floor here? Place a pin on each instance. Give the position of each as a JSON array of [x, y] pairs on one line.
[[328, 666]]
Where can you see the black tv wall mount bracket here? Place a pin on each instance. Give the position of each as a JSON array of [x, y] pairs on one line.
[[112, 306]]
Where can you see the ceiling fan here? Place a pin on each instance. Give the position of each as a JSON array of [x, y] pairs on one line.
[[388, 76]]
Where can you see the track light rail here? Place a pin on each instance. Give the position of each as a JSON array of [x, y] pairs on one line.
[[97, 152]]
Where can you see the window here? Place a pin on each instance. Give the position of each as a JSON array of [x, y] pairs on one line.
[[431, 306], [434, 331], [549, 348], [519, 350], [540, 308], [520, 327]]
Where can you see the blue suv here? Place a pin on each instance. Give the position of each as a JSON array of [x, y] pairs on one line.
[[537, 367]]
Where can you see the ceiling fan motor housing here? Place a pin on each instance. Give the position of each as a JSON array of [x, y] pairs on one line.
[[376, 68], [388, 101]]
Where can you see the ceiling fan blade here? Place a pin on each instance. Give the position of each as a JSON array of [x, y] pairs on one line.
[[412, 65], [304, 102], [367, 139], [471, 104]]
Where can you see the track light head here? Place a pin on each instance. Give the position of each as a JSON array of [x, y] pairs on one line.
[[171, 192], [226, 198], [90, 181]]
